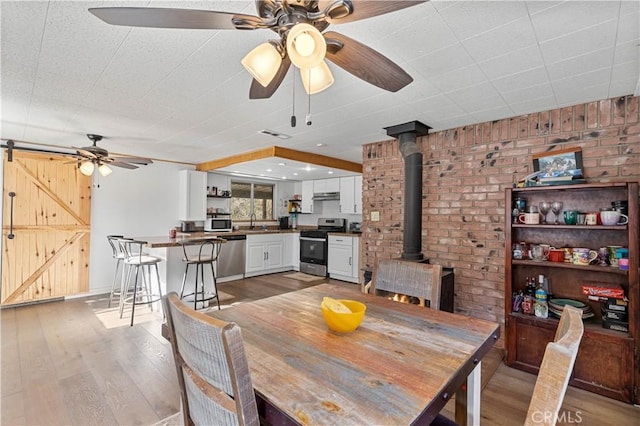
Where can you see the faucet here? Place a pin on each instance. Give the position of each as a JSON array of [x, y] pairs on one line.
[[252, 220]]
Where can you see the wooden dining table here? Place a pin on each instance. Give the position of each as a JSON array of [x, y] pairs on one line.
[[399, 367]]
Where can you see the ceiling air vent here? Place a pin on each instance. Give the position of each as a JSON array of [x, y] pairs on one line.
[[274, 134]]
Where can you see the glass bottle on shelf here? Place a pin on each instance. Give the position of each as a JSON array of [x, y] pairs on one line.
[[541, 308]]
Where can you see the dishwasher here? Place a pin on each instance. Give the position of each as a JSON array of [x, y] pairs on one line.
[[231, 257]]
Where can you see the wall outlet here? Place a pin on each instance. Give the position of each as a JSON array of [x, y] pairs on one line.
[[375, 216]]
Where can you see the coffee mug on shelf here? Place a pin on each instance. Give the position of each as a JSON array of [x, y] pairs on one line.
[[529, 218], [570, 217], [581, 219], [591, 219], [583, 256], [568, 254], [556, 255], [613, 218], [545, 251], [537, 253], [613, 255]]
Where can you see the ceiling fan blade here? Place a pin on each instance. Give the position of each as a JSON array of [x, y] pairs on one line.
[[365, 63], [123, 165], [128, 159], [85, 153], [154, 17], [363, 9], [258, 91]]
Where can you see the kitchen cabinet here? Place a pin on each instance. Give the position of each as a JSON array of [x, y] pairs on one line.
[[326, 185], [342, 263], [192, 202], [292, 250], [351, 194], [607, 361], [265, 254], [306, 204]]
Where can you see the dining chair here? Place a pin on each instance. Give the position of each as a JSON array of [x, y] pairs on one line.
[[213, 373], [555, 369], [208, 251], [414, 279]]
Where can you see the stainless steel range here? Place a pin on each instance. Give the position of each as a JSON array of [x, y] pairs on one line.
[[314, 245]]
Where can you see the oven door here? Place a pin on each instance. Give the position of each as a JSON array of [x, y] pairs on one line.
[[313, 250]]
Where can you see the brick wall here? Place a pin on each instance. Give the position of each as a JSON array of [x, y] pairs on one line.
[[466, 171]]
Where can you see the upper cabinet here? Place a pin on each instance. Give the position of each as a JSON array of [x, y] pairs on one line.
[[351, 194], [326, 185], [306, 205], [193, 195]]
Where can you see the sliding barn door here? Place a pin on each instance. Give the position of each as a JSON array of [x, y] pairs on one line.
[[45, 252]]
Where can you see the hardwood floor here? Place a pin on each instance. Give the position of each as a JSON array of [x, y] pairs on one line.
[[61, 366]]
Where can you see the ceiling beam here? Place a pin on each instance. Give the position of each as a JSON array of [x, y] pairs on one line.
[[280, 152]]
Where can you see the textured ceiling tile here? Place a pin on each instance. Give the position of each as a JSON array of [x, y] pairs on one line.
[[572, 16], [588, 62], [512, 62], [510, 37], [590, 39], [469, 18], [531, 77]]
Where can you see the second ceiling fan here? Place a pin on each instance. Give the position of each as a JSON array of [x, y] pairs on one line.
[[299, 25]]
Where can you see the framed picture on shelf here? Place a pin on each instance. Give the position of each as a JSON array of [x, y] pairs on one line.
[[558, 166]]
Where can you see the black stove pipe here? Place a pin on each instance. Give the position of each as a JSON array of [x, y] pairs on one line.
[[406, 134]]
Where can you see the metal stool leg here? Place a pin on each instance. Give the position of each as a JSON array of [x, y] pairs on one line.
[[115, 280], [135, 292], [215, 284]]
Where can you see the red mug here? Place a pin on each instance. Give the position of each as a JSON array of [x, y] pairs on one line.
[[556, 255]]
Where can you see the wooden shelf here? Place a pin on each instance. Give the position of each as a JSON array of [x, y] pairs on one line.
[[216, 196], [566, 265], [573, 227], [591, 325]]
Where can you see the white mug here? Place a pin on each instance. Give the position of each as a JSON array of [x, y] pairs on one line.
[[613, 218], [529, 218]]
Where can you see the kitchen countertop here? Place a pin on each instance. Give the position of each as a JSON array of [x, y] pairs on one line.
[[166, 241]]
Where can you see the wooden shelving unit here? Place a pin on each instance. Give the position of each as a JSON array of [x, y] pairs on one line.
[[607, 361]]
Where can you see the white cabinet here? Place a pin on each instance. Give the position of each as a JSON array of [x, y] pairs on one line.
[[306, 206], [351, 194], [292, 250], [192, 195], [326, 185], [342, 263], [265, 254]]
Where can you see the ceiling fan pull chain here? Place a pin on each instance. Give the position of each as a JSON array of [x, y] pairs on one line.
[[293, 103], [308, 118]]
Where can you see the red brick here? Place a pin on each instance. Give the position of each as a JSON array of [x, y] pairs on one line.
[[632, 110], [605, 113], [619, 110], [554, 121], [592, 115]]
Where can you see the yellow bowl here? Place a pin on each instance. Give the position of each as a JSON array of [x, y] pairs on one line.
[[344, 323]]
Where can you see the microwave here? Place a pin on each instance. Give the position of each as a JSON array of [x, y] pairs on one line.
[[218, 224]]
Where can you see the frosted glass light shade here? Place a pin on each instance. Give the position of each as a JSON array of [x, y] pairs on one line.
[[263, 63], [86, 168], [306, 47], [104, 170], [316, 79]]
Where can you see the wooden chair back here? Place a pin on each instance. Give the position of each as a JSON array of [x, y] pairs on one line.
[[420, 280], [555, 370], [213, 373]]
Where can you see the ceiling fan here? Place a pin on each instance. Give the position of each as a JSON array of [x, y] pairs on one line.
[[299, 25], [90, 156]]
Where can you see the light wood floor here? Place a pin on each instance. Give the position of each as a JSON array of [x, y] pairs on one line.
[[61, 366]]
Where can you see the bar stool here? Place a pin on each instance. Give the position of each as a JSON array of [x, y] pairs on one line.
[[118, 255], [208, 252], [136, 260]]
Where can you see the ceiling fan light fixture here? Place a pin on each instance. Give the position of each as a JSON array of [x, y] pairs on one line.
[[316, 79], [86, 168], [306, 47], [263, 63], [104, 170]]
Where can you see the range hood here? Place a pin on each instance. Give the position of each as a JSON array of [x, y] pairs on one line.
[[326, 196]]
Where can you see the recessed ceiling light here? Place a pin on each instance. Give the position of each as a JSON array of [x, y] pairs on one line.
[[269, 170], [321, 144], [330, 172], [282, 164], [284, 177], [308, 168], [295, 174]]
